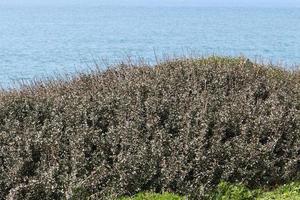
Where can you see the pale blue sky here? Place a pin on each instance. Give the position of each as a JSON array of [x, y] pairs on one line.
[[218, 3]]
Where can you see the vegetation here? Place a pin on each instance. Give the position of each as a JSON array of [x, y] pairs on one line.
[[286, 192], [153, 196], [181, 126], [227, 191]]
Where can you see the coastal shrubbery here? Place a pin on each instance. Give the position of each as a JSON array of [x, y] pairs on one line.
[[181, 126]]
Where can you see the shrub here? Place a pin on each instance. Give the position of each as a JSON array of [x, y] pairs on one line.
[[180, 126]]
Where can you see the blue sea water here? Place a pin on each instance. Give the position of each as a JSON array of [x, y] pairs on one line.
[[38, 41]]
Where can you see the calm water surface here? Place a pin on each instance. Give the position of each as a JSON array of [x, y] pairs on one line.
[[39, 41]]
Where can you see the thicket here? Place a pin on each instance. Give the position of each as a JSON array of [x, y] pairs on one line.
[[181, 126]]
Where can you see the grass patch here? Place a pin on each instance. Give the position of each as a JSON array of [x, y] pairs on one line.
[[227, 191], [153, 196], [285, 192]]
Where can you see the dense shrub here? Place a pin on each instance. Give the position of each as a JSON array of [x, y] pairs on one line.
[[180, 126]]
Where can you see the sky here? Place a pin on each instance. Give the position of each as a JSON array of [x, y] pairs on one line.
[[186, 3]]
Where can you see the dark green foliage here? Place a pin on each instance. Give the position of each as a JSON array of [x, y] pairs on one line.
[[181, 127], [226, 191]]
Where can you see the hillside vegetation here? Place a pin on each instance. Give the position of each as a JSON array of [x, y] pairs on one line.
[[227, 191], [182, 126]]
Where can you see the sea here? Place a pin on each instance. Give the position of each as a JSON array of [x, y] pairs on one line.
[[42, 41]]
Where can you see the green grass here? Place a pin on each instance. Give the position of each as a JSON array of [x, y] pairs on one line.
[[153, 196], [286, 192], [226, 191]]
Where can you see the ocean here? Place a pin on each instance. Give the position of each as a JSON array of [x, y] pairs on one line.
[[41, 41]]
